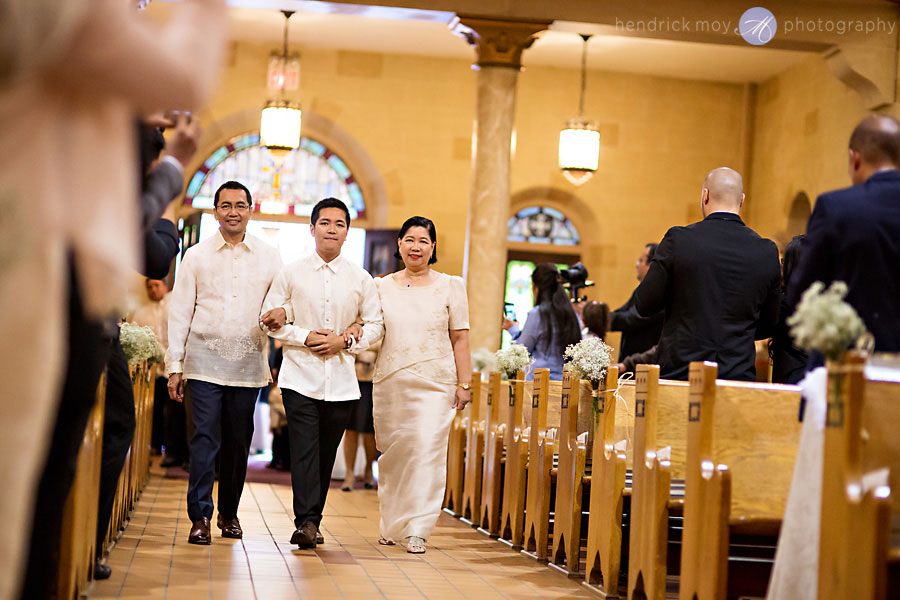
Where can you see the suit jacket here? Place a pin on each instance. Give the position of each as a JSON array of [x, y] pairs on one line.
[[719, 283], [853, 236], [639, 334]]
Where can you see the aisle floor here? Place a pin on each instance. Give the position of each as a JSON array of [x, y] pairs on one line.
[[153, 559]]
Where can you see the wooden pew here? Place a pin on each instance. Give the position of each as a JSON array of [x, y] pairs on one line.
[[566, 552], [491, 494], [660, 420], [470, 507], [456, 455], [79, 526], [742, 441], [540, 461], [860, 437], [608, 465], [613, 339], [512, 513]]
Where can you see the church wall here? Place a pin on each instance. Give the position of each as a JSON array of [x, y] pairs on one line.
[[804, 117], [413, 116]]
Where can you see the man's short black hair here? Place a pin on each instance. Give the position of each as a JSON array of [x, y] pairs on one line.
[[651, 251], [425, 222], [233, 185], [329, 203]]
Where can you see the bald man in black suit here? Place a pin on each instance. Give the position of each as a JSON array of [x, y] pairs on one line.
[[719, 283]]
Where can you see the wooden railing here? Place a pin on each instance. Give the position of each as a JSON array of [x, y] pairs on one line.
[[79, 533]]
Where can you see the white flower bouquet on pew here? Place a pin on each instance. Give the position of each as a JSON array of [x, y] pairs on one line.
[[589, 359], [824, 322], [139, 344], [513, 359]]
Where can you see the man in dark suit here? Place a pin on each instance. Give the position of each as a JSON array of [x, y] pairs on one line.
[[639, 334], [853, 234], [719, 283]]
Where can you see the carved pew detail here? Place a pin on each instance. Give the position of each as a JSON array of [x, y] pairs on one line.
[[566, 552], [491, 498], [660, 413], [604, 544], [470, 508], [540, 461], [512, 514], [742, 441]]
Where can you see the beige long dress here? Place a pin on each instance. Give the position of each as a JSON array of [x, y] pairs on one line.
[[414, 387]]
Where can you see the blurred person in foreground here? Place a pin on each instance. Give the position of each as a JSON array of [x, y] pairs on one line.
[[69, 236]]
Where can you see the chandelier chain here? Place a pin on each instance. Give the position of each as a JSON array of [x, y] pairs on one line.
[[585, 37]]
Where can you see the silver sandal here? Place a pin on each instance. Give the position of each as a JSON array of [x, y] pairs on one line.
[[415, 545]]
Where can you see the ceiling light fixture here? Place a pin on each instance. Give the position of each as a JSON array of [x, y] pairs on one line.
[[579, 142], [279, 125]]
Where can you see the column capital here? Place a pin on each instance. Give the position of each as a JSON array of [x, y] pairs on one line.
[[498, 42]]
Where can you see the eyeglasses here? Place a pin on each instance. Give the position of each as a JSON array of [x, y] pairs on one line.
[[240, 207]]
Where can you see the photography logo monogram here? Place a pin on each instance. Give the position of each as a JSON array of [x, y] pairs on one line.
[[758, 26]]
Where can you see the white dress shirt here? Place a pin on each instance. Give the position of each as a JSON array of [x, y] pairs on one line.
[[155, 315], [214, 331], [324, 296]]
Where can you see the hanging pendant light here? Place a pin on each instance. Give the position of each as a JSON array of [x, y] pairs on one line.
[[279, 125], [579, 142]]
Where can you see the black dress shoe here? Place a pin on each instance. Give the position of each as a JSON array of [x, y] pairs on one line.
[[101, 571], [200, 532], [305, 536], [231, 528]]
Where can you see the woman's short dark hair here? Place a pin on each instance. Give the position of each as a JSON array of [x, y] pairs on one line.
[[233, 185], [329, 203], [557, 315], [425, 222], [791, 257], [596, 318]]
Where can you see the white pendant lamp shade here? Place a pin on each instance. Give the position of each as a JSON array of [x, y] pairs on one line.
[[279, 126], [579, 146]]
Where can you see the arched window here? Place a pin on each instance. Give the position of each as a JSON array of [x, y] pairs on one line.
[[293, 186], [542, 225]]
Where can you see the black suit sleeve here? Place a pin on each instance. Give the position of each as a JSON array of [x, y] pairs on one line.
[[650, 297], [625, 318], [817, 258], [160, 247]]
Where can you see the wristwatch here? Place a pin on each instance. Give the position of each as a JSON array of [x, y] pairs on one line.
[[465, 386]]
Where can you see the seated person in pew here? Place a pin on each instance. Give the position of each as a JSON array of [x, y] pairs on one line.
[[552, 324], [719, 283]]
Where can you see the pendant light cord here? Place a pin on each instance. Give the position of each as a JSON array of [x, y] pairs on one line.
[[584, 37], [284, 61]]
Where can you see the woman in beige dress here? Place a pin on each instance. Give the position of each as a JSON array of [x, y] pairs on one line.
[[422, 375]]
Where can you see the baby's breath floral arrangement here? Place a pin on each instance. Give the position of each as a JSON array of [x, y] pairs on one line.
[[824, 322], [513, 359], [589, 359], [483, 360], [140, 344]]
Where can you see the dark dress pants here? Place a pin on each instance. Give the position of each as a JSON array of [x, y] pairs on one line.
[[223, 425], [88, 350], [315, 428], [175, 422], [118, 433]]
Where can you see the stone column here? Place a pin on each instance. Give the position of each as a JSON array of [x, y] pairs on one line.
[[499, 45]]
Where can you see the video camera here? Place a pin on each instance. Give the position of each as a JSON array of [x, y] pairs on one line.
[[575, 278]]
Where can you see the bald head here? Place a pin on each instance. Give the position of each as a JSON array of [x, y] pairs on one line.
[[874, 146], [723, 191]]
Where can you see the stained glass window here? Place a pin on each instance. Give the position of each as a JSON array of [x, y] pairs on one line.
[[542, 225], [305, 176]]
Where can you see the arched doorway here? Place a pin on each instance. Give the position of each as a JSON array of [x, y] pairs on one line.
[[536, 234]]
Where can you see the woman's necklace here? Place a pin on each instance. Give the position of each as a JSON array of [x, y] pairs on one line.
[[414, 278]]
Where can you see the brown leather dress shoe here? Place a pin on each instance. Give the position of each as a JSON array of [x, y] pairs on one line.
[[231, 528], [200, 532], [305, 536]]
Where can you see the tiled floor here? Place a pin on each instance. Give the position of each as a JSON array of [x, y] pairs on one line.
[[153, 559]]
